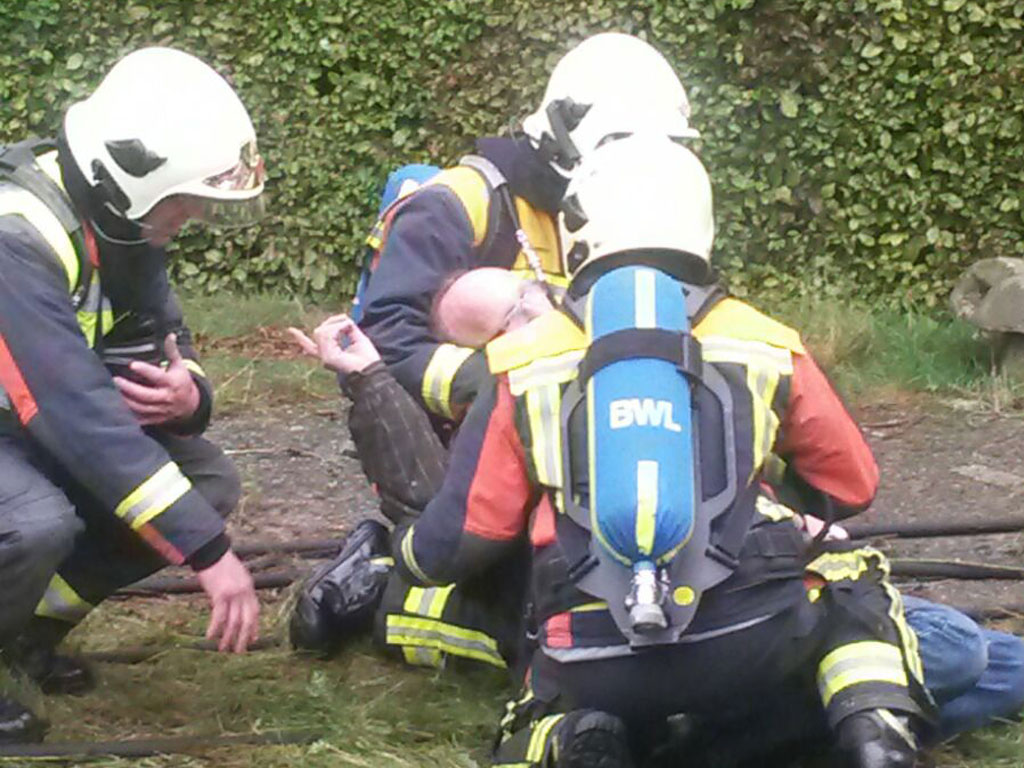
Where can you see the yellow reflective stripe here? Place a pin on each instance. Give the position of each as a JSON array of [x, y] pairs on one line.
[[61, 602], [157, 493], [557, 280], [471, 190], [762, 383], [857, 664], [774, 469], [427, 601], [422, 657], [409, 557], [773, 510], [547, 371], [437, 379], [15, 200], [431, 633], [837, 566], [543, 408], [541, 730], [734, 319], [911, 650], [597, 605], [723, 349], [194, 367], [541, 231], [646, 504], [545, 337]]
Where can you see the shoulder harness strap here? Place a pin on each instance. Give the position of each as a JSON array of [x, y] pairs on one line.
[[18, 165]]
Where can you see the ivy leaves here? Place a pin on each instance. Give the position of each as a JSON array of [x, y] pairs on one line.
[[872, 146]]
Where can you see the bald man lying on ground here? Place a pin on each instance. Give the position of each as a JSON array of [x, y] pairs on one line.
[[976, 675]]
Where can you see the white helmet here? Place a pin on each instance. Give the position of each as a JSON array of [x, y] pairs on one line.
[[644, 192], [609, 85], [163, 123]]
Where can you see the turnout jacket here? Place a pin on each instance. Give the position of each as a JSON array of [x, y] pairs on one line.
[[456, 221], [64, 305], [504, 474]]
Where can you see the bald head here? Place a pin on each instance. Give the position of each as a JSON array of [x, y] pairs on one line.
[[482, 303]]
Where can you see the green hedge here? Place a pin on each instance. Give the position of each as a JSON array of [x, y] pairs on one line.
[[855, 145]]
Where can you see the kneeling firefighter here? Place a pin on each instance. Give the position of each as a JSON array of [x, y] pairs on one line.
[[104, 477], [627, 433], [498, 208]]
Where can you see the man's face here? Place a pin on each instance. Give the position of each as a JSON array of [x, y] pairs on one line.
[[485, 302], [167, 217]]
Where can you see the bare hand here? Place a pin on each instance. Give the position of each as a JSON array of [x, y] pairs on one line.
[[813, 526], [165, 394], [234, 609], [326, 345]]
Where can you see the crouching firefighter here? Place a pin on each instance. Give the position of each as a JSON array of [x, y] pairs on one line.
[[497, 209], [627, 432], [104, 478]]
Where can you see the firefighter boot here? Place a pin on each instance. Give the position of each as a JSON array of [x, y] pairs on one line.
[[876, 739], [17, 723], [338, 600], [33, 654], [592, 739]]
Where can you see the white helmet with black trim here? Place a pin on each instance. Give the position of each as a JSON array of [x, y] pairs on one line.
[[608, 86], [163, 124], [642, 193]]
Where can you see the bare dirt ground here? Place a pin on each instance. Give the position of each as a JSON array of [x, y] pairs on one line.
[[940, 461], [950, 461]]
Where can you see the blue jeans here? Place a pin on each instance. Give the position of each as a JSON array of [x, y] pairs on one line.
[[975, 675]]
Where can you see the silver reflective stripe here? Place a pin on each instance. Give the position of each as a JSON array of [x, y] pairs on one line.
[[568, 655], [549, 370], [543, 406]]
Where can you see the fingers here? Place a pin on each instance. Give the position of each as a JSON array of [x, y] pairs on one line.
[[154, 375], [250, 631], [232, 627], [171, 349], [140, 393], [218, 615], [307, 344]]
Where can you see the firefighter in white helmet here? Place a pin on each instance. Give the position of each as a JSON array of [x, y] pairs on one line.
[[740, 641], [104, 477], [497, 208]]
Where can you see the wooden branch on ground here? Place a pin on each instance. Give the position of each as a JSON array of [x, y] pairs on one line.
[[173, 585], [251, 548], [925, 530], [951, 569]]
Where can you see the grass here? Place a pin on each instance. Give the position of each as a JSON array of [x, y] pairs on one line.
[[368, 710]]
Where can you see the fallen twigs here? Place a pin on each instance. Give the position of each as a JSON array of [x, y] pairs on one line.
[[172, 585], [175, 745], [249, 549]]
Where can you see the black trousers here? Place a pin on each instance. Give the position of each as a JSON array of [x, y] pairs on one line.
[[57, 542], [786, 682]]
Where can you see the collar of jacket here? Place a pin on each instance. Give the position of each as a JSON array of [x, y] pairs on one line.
[[528, 176]]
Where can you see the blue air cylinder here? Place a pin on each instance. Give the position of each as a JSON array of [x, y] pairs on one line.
[[642, 486]]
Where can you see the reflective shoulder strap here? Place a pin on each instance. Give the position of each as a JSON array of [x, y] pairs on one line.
[[34, 191]]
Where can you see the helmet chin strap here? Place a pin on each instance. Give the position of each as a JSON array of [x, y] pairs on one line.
[[103, 235]]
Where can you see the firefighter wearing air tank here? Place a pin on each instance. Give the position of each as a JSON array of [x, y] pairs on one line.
[[629, 433], [103, 475], [498, 209]]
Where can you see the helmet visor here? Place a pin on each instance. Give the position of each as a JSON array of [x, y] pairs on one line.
[[246, 176], [167, 217]]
